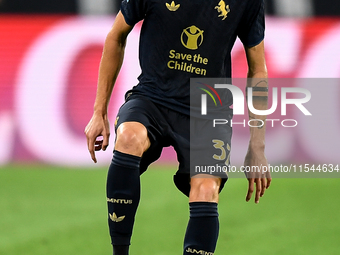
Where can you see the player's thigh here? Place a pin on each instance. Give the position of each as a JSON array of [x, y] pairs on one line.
[[137, 126], [206, 152], [210, 148]]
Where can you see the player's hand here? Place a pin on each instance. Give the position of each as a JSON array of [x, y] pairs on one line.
[[98, 126], [259, 177]]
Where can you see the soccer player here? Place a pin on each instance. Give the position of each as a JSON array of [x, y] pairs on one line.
[[179, 40]]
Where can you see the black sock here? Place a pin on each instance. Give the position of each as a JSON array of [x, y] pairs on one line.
[[123, 193], [202, 231], [120, 249]]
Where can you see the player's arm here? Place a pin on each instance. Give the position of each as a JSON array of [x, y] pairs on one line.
[[110, 64], [257, 79]]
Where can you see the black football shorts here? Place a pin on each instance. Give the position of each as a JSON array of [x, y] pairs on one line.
[[209, 154]]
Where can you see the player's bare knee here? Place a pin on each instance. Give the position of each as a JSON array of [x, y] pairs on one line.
[[204, 189], [130, 142], [132, 139]]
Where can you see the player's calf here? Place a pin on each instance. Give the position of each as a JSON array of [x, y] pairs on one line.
[[123, 194], [203, 227]]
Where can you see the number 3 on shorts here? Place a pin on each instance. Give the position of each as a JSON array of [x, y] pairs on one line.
[[218, 144]]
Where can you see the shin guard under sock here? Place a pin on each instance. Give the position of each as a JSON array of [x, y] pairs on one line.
[[203, 227], [123, 193]]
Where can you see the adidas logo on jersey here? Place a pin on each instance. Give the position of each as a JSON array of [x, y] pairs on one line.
[[172, 7]]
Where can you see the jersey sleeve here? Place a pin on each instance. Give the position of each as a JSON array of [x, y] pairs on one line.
[[133, 11], [252, 26]]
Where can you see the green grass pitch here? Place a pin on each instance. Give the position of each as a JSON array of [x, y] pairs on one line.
[[46, 210]]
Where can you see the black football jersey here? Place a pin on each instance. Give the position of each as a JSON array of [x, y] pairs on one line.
[[183, 39]]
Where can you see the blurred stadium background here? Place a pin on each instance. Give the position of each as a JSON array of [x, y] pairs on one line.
[[52, 197]]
